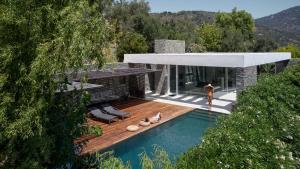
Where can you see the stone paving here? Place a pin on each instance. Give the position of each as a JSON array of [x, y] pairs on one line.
[[222, 102]]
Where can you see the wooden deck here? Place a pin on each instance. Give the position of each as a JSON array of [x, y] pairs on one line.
[[139, 109]]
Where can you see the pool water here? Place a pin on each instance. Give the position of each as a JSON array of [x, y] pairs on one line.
[[175, 137]]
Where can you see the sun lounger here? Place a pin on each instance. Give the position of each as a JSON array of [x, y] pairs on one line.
[[97, 113], [113, 111]]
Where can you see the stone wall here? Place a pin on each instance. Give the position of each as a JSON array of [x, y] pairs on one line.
[[161, 77], [111, 89], [169, 46], [245, 77], [137, 85]]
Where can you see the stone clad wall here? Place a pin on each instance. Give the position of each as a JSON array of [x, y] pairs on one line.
[[112, 88], [165, 46], [169, 46], [245, 77]]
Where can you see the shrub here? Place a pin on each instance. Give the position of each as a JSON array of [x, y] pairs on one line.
[[95, 130], [263, 132]]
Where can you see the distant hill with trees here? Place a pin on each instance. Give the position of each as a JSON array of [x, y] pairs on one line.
[[282, 28]]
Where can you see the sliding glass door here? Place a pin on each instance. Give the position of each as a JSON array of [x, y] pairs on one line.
[[192, 79]]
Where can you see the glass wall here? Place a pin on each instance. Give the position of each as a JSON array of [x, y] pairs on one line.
[[192, 79]]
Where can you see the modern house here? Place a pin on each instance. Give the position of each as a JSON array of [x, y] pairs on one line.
[[188, 73]]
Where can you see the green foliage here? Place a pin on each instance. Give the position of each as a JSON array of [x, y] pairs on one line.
[[240, 20], [263, 132], [294, 49], [196, 48], [107, 160], [231, 32], [123, 13], [264, 45], [95, 130], [160, 160], [238, 30], [210, 36], [40, 41], [131, 43], [102, 161]]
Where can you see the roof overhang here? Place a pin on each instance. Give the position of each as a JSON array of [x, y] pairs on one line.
[[102, 74], [209, 59]]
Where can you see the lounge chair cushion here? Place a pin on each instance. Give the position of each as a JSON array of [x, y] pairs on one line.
[[113, 111], [98, 114], [132, 128]]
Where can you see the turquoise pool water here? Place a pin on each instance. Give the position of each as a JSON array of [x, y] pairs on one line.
[[175, 136]]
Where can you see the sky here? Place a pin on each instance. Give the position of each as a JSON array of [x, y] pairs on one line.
[[258, 8]]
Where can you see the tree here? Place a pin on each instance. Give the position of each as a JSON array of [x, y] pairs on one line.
[[147, 26], [238, 30], [294, 49], [210, 36], [131, 43], [38, 123], [264, 45], [123, 12]]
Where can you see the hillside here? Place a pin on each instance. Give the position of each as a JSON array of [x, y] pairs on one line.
[[284, 21], [282, 27], [196, 17]]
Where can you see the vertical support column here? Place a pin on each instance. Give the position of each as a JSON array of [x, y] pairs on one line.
[[166, 46], [226, 79], [169, 79], [176, 79], [245, 77]]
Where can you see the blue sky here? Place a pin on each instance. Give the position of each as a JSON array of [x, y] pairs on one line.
[[258, 8]]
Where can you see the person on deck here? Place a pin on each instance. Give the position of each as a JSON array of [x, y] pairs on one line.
[[210, 93]]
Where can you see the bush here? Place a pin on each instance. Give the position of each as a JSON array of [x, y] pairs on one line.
[[294, 49], [95, 130], [263, 132], [131, 43]]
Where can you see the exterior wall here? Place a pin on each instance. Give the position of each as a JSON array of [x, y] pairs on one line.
[[245, 77], [137, 85], [109, 66], [165, 46], [112, 89], [169, 46]]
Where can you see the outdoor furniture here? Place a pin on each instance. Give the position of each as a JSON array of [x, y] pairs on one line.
[[97, 113], [152, 120], [132, 128], [156, 118], [144, 123], [113, 111]]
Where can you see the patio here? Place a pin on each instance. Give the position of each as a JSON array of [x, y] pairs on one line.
[[222, 102], [116, 131]]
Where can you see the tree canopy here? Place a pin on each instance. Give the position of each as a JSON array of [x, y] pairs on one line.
[[131, 43], [40, 41], [294, 49]]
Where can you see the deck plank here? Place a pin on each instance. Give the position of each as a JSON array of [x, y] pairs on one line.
[[139, 109]]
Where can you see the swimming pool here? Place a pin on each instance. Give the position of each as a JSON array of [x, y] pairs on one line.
[[175, 136]]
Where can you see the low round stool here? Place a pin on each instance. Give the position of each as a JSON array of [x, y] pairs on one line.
[[132, 128]]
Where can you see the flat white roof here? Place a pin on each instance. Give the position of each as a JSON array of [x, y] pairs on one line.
[[208, 59]]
